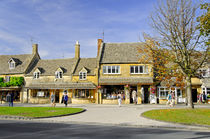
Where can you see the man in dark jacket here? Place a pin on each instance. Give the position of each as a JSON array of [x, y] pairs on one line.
[[9, 98]]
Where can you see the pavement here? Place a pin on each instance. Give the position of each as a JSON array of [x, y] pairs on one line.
[[126, 115]]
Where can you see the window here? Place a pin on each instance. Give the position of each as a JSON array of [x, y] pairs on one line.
[[139, 69], [205, 73], [111, 69], [7, 78], [36, 75], [11, 64], [82, 93], [82, 75], [58, 74], [163, 92], [206, 90]]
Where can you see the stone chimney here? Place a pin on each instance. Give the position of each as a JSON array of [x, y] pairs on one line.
[[35, 49], [77, 50], [100, 41]]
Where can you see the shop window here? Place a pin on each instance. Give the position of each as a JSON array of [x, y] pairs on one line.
[[206, 90], [111, 69], [112, 93], [82, 93], [41, 94], [139, 69]]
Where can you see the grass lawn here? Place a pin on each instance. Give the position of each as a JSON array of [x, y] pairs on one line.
[[184, 116], [35, 112]]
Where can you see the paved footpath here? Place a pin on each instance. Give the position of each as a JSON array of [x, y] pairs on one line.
[[126, 115]]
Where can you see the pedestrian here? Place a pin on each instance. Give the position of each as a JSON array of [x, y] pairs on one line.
[[134, 96], [9, 99], [169, 99], [119, 97], [65, 99], [53, 100], [172, 98]]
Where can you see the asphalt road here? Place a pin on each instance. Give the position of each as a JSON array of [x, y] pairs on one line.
[[38, 130]]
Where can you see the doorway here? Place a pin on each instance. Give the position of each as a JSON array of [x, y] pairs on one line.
[[146, 94], [56, 96], [194, 95]]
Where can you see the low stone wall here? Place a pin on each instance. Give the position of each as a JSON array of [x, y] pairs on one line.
[[111, 101], [39, 100], [81, 101]]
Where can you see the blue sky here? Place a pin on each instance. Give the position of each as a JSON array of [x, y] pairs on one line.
[[56, 25]]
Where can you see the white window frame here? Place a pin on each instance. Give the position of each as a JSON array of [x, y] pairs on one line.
[[164, 90], [11, 65], [205, 72], [113, 67], [58, 74], [82, 75], [144, 68], [36, 75], [205, 90]]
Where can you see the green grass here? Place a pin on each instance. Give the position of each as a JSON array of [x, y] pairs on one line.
[[35, 112], [183, 116]]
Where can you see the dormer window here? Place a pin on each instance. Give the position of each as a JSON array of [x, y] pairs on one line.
[[36, 75], [82, 75], [11, 63], [58, 74]]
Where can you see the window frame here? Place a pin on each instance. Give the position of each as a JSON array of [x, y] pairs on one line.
[[143, 68], [12, 64], [58, 74], [36, 75], [114, 69], [83, 75]]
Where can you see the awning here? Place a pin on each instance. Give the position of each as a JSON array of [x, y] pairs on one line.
[[13, 88], [61, 86], [125, 80]]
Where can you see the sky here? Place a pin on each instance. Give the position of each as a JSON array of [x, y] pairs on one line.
[[56, 25]]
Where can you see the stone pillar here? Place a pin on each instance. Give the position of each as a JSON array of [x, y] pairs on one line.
[[127, 94], [139, 100]]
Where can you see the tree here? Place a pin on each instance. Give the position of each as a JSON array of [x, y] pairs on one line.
[[175, 21], [204, 25]]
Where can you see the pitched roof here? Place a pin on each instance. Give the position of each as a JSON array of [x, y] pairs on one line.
[[121, 52], [22, 62], [49, 67], [90, 64]]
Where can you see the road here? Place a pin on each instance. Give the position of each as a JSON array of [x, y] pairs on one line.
[[37, 130]]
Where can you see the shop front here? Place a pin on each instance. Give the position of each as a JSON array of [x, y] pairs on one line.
[[15, 91]]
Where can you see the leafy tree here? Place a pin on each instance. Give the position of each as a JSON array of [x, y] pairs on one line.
[[181, 42]]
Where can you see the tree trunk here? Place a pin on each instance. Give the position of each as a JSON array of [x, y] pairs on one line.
[[189, 93]]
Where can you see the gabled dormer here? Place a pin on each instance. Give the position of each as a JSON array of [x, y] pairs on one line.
[[83, 74], [12, 63], [59, 73], [37, 73]]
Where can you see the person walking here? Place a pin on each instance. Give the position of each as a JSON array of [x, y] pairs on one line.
[[119, 97], [9, 99], [65, 99], [52, 100], [172, 98], [134, 96], [169, 99]]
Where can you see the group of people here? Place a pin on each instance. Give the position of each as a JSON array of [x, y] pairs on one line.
[[171, 99], [120, 97], [64, 99], [201, 98]]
